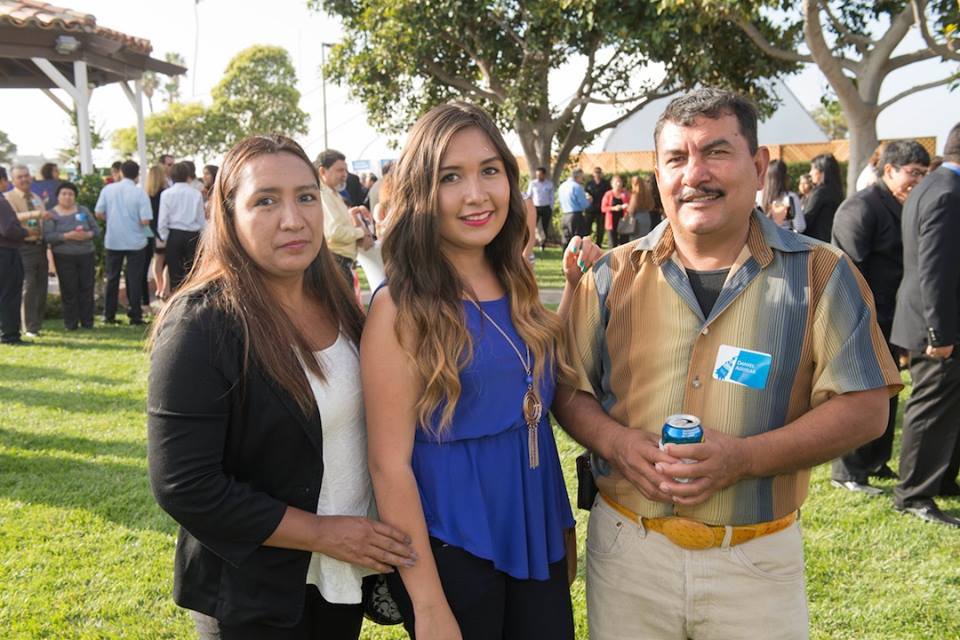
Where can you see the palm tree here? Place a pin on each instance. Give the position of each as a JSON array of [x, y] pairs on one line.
[[149, 84]]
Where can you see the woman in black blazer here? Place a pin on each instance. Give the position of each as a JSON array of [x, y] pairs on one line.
[[235, 444], [825, 198]]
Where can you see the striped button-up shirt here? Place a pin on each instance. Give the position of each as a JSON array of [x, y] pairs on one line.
[[642, 346]]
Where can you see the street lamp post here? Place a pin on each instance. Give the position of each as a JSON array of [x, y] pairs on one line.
[[323, 90]]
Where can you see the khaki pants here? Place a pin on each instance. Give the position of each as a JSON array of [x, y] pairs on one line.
[[640, 585]]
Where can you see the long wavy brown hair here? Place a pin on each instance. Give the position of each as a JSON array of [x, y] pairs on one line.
[[234, 282], [425, 286]]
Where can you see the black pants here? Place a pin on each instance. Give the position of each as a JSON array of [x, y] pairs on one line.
[[133, 277], [931, 423], [594, 217], [36, 273], [321, 621], [346, 268], [11, 294], [615, 239], [545, 219], [147, 257], [573, 224], [490, 605], [181, 250], [867, 460], [75, 275]]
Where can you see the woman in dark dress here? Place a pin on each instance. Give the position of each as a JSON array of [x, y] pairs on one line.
[[826, 197]]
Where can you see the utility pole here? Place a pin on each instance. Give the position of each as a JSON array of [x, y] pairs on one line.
[[323, 90]]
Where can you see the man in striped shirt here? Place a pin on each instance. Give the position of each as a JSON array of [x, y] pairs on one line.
[[768, 337]]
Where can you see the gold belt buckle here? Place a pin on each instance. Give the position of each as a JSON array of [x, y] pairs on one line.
[[688, 534]]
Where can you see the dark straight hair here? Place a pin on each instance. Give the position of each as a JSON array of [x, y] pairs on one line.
[[831, 183], [235, 284]]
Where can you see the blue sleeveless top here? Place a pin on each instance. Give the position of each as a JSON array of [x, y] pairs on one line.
[[476, 486]]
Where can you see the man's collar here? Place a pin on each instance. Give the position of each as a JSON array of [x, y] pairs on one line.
[[763, 237]]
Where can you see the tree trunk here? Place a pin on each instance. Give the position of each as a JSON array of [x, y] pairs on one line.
[[537, 142], [863, 140]]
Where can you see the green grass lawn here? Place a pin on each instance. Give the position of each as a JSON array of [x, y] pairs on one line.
[[85, 552]]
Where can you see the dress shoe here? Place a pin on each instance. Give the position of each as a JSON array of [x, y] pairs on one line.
[[885, 473], [138, 323], [950, 490], [930, 513], [857, 487], [17, 343], [110, 321]]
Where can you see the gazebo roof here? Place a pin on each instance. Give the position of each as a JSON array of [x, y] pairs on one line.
[[31, 29]]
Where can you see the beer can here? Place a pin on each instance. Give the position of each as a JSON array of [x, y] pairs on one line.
[[681, 428]]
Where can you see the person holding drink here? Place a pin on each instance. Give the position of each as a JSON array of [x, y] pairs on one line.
[[70, 233]]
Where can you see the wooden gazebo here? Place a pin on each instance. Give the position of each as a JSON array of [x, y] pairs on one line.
[[46, 47]]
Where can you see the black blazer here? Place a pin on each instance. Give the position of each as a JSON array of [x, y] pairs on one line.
[[867, 228], [928, 301], [818, 213], [226, 456]]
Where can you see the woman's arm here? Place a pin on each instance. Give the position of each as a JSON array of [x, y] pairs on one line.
[[390, 391]]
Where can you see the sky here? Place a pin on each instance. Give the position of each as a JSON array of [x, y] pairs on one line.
[[226, 27]]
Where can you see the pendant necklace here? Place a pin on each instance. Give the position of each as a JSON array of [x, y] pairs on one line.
[[532, 407]]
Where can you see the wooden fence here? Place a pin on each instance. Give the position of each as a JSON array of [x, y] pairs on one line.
[[634, 161]]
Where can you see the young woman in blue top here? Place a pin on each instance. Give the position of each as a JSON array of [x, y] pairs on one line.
[[459, 361]]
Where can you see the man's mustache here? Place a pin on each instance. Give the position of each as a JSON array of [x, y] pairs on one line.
[[689, 193]]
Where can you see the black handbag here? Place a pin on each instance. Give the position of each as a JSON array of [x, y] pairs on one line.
[[378, 604], [586, 485]]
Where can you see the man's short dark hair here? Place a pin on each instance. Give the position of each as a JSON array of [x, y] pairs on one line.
[[329, 157], [46, 171], [544, 169], [903, 152], [191, 167], [116, 166], [180, 172], [130, 169], [951, 149], [163, 158], [710, 102], [3, 174], [68, 185]]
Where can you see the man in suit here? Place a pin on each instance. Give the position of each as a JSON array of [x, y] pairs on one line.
[[927, 323], [867, 228], [596, 187]]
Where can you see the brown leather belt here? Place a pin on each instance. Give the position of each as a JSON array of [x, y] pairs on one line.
[[695, 535]]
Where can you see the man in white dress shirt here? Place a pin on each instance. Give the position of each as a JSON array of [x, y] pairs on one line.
[[181, 219]]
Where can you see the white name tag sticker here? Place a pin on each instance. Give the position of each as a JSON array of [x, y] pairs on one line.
[[742, 366]]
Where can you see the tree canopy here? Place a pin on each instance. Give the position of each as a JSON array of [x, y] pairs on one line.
[[7, 148], [402, 57], [855, 44], [257, 94]]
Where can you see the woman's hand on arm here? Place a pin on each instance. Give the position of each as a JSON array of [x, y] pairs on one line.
[[353, 539], [390, 390]]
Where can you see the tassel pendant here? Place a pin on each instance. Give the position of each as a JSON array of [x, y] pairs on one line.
[[532, 445], [532, 411]]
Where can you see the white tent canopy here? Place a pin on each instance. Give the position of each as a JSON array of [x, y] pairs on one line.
[[789, 124]]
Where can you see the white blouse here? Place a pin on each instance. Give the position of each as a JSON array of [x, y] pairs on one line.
[[346, 489]]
